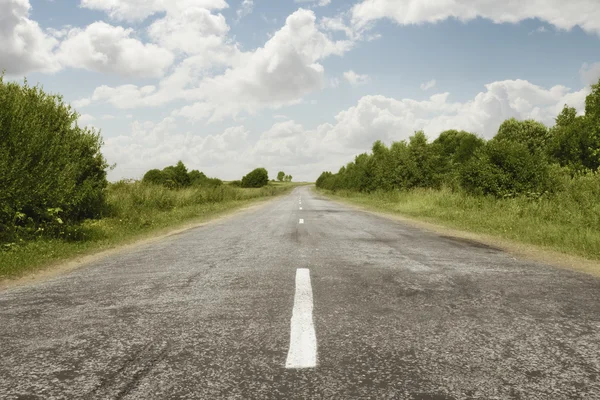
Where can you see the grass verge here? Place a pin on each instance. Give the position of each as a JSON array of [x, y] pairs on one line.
[[135, 212], [565, 224]]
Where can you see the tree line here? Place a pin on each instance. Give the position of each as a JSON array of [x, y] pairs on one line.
[[524, 158]]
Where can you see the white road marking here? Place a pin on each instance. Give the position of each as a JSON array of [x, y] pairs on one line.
[[303, 340], [301, 221], [301, 208]]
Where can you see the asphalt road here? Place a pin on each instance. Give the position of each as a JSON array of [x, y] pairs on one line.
[[398, 313]]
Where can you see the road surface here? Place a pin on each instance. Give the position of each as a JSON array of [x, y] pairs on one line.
[[343, 305]]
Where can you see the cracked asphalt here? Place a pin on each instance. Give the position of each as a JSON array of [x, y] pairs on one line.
[[399, 313]]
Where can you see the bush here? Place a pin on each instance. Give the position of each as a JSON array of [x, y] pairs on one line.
[[256, 179], [506, 168], [51, 170], [154, 176]]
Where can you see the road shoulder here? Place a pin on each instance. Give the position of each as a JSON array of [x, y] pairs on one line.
[[64, 266], [517, 249]]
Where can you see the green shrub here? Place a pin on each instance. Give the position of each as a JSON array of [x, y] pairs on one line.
[[154, 176], [256, 179], [51, 170], [506, 168]]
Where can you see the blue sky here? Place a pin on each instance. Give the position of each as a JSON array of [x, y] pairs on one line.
[[229, 85]]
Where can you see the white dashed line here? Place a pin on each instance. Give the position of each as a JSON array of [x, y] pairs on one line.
[[303, 340], [301, 221]]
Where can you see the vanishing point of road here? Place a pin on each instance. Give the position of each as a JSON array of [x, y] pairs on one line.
[[304, 298]]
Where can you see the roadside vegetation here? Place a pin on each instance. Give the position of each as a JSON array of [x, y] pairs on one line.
[[56, 202], [529, 183]]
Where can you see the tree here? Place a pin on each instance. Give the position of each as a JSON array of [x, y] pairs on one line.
[[533, 134], [507, 168], [256, 178], [49, 165], [154, 176], [281, 176]]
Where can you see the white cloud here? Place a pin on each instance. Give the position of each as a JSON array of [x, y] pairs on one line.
[[562, 14], [24, 46], [306, 152], [356, 79], [137, 10], [193, 31], [245, 9], [111, 49], [428, 85], [590, 73], [280, 73], [85, 119]]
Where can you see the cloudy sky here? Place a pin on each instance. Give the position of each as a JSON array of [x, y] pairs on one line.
[[297, 85]]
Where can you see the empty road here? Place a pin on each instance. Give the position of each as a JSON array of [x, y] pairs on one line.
[[304, 298]]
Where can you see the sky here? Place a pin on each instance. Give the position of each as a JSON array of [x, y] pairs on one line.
[[301, 86]]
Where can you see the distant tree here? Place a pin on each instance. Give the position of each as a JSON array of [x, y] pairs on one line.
[[281, 176], [154, 176], [197, 178], [256, 178], [287, 178], [176, 176]]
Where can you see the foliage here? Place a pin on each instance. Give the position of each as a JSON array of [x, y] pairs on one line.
[[256, 178], [507, 168], [178, 177], [52, 174], [281, 176], [524, 158]]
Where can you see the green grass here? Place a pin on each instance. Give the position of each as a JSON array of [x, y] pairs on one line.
[[135, 211], [568, 222]]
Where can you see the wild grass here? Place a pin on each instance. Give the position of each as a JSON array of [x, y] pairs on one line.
[[134, 210], [568, 221]]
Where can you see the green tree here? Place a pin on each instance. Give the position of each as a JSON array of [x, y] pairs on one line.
[[176, 176], [154, 176], [51, 169], [256, 178], [533, 134], [507, 168], [281, 176]]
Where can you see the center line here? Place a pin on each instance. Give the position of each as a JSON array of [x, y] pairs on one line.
[[303, 340], [301, 221]]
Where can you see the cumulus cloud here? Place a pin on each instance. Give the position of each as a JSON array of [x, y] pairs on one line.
[[562, 14], [280, 73], [24, 46], [355, 79], [194, 30], [307, 152], [111, 49], [428, 85]]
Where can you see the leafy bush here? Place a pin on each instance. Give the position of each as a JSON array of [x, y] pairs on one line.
[[507, 168], [178, 177], [51, 170], [256, 179]]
